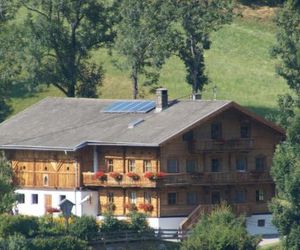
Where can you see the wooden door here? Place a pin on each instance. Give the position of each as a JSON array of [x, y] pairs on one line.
[[48, 201]]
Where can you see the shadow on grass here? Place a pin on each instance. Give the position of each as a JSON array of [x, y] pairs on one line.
[[266, 112], [254, 3]]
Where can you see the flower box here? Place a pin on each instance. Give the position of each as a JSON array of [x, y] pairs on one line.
[[100, 175], [131, 207], [51, 210], [117, 176], [146, 207], [133, 176], [154, 176]]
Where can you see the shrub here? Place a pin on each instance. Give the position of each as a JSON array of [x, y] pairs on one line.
[[50, 227], [112, 224], [18, 224], [15, 242], [138, 222], [226, 232], [84, 227], [58, 243]]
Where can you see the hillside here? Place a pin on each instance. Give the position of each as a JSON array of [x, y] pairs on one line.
[[238, 63]]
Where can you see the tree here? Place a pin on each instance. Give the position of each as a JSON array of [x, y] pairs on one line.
[[287, 48], [7, 57], [286, 174], [7, 196], [198, 19], [226, 232], [60, 38], [144, 38]]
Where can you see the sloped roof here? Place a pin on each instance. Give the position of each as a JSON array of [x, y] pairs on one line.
[[71, 123]]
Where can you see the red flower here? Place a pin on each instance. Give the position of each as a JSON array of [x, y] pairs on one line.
[[154, 176], [131, 206], [149, 175], [100, 175], [146, 207], [134, 176], [117, 176], [51, 210]]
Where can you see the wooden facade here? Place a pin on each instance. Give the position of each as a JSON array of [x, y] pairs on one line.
[[224, 159]]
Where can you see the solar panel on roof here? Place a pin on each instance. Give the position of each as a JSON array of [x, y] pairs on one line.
[[130, 107]]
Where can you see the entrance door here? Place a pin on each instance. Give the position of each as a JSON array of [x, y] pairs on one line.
[[48, 201]]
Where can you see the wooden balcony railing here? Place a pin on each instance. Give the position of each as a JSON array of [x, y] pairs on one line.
[[222, 145], [89, 179], [238, 208], [220, 178]]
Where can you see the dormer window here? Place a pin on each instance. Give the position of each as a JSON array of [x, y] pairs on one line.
[[245, 129], [216, 130]]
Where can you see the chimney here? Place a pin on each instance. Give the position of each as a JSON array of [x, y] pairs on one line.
[[161, 99], [196, 96]]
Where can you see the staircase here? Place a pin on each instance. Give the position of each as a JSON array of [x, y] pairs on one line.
[[194, 216]]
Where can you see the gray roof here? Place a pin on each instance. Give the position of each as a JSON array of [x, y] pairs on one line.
[[71, 123]]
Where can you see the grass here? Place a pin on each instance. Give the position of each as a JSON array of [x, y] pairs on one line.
[[238, 63]]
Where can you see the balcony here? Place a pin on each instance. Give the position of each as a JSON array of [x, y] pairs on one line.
[[89, 179], [221, 178], [223, 145]]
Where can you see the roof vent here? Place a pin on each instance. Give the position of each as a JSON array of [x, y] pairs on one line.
[[161, 99], [135, 123]]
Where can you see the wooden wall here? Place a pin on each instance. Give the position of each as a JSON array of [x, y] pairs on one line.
[[44, 169]]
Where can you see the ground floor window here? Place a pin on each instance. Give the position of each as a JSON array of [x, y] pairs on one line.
[[215, 197], [259, 195], [191, 198], [240, 196], [147, 197], [21, 198], [132, 197], [261, 223], [172, 198], [34, 199], [110, 197]]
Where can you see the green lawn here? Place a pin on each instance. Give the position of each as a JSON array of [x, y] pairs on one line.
[[238, 63]]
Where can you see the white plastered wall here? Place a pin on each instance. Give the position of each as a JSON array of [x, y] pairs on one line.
[[253, 228], [89, 207]]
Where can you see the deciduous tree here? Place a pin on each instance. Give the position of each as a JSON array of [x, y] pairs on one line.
[[144, 38], [7, 196], [61, 36], [198, 19]]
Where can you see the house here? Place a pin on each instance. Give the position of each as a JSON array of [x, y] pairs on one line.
[[170, 159]]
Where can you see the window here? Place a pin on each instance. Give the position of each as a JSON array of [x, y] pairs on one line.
[[132, 197], [191, 166], [260, 163], [191, 198], [110, 165], [240, 196], [45, 180], [147, 166], [110, 197], [172, 198], [21, 198], [245, 130], [241, 163], [259, 195], [131, 165], [34, 199], [215, 165], [147, 197], [172, 166], [261, 223], [216, 130], [189, 136], [215, 198], [62, 197]]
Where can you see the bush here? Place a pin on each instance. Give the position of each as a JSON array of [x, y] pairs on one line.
[[84, 227], [112, 224], [138, 222], [15, 242], [58, 243], [226, 232], [18, 224], [50, 227]]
